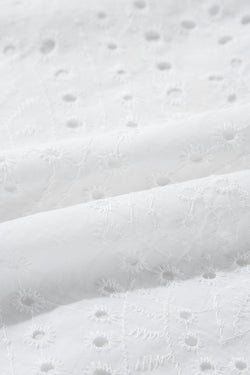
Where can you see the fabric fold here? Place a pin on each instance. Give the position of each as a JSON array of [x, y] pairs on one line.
[[143, 239], [124, 187], [61, 174]]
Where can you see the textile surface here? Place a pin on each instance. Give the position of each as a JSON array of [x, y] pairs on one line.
[[125, 187]]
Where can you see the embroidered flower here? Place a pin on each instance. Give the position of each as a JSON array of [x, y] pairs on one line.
[[204, 366], [103, 314], [133, 262], [113, 162], [230, 135], [229, 132], [159, 178], [100, 341], [28, 301], [186, 315], [176, 93], [209, 276], [40, 336], [190, 341], [242, 259], [97, 192], [48, 366], [165, 274], [240, 364], [100, 369], [108, 287], [15, 262], [196, 154]]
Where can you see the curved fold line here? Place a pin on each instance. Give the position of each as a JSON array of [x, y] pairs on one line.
[[183, 230], [51, 176]]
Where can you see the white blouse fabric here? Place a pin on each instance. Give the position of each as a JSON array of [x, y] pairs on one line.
[[125, 187]]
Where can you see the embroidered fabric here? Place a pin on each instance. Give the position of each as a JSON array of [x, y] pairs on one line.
[[125, 187]]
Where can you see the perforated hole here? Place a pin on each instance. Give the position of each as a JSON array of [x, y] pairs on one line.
[[112, 46], [69, 98], [231, 98], [101, 372], [206, 366], [27, 301], [10, 188], [167, 275], [240, 365], [73, 123], [163, 65], [100, 341], [47, 367], [214, 10], [131, 124], [196, 156], [114, 162], [61, 73], [38, 334], [101, 15], [47, 46], [152, 36], [163, 181], [9, 49], [121, 72], [188, 24], [133, 261], [174, 92], [109, 289], [235, 62], [185, 315], [191, 341], [139, 4], [100, 314], [209, 275], [228, 134], [243, 262], [215, 78], [225, 39], [245, 19], [127, 97], [97, 194]]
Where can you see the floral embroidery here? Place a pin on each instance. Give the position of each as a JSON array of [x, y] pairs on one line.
[[190, 341], [133, 262], [40, 336], [103, 314], [166, 274], [101, 341], [100, 369], [107, 287], [28, 301], [49, 366]]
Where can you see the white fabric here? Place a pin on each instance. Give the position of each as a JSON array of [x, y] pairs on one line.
[[125, 187]]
